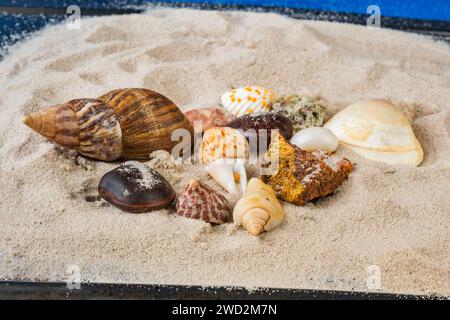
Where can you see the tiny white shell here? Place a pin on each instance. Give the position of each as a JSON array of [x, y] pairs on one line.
[[315, 138], [228, 172], [247, 100]]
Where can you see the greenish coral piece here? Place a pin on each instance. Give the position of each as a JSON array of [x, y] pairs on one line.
[[303, 111]]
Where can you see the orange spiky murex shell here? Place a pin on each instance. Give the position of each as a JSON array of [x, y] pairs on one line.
[[122, 124]]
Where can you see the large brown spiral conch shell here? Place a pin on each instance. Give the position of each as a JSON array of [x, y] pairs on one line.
[[122, 124]]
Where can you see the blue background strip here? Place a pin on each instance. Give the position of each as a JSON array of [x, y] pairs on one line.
[[417, 9]]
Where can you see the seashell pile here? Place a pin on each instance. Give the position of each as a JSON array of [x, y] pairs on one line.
[[315, 138], [198, 201], [225, 150], [258, 126], [303, 111], [138, 124], [134, 187], [259, 209], [377, 130], [247, 100], [122, 124], [209, 117]]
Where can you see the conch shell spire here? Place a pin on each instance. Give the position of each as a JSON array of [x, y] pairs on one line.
[[58, 123], [43, 122], [259, 209]]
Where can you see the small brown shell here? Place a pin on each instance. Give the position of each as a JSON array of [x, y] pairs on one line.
[[124, 123], [257, 126], [209, 117], [198, 201]]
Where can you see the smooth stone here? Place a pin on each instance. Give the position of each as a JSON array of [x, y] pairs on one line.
[[315, 138], [260, 121], [134, 187]]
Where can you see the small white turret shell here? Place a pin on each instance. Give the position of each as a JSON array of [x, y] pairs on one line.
[[229, 172], [225, 150], [247, 100], [259, 209], [315, 138], [377, 130]]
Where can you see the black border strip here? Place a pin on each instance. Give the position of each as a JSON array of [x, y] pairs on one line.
[[63, 11], [54, 290]]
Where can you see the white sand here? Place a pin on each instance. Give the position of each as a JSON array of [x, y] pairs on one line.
[[391, 216]]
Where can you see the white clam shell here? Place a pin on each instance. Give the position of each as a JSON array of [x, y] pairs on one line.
[[247, 100], [315, 138], [377, 130]]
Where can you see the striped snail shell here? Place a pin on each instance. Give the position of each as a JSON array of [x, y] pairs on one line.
[[122, 124]]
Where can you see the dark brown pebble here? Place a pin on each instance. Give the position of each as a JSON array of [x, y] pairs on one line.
[[134, 187]]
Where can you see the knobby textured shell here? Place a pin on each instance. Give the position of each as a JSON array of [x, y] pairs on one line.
[[303, 111], [248, 100], [124, 123], [223, 143], [198, 201], [259, 209], [377, 130]]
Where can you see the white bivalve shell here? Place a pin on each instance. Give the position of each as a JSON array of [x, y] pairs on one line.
[[247, 100], [377, 130], [315, 138]]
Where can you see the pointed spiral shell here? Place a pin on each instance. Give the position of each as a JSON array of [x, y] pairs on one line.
[[259, 209], [124, 123]]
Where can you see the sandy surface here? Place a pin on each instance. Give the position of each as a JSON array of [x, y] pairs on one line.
[[394, 217]]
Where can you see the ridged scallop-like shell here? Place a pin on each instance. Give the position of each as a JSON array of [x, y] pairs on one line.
[[377, 130], [247, 100], [199, 201], [124, 123], [259, 209], [223, 143]]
